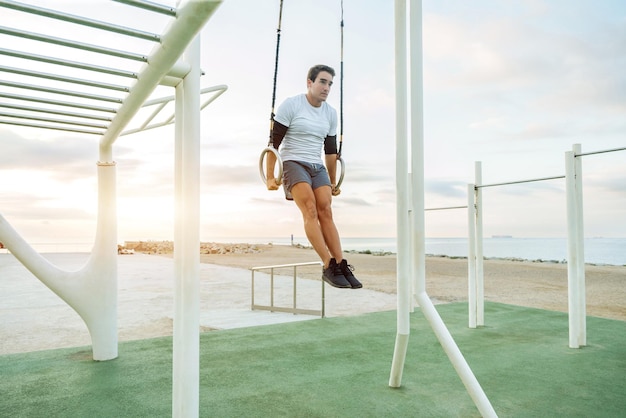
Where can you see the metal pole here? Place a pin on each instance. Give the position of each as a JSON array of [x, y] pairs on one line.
[[471, 255], [252, 295], [456, 357], [295, 291], [402, 204], [187, 376], [272, 289], [580, 247], [417, 148], [179, 216], [572, 253], [480, 276]]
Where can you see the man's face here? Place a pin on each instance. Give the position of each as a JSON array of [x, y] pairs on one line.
[[320, 88]]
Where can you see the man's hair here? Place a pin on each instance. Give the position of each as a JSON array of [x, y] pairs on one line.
[[314, 71]]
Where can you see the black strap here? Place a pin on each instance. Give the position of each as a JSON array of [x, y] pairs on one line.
[[341, 89], [280, 17]]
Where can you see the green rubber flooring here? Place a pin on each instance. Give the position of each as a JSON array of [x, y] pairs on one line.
[[339, 367]]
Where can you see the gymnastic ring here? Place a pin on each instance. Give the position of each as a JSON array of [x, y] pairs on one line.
[[342, 172], [273, 150]]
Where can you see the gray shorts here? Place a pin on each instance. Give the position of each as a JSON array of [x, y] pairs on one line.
[[298, 171]]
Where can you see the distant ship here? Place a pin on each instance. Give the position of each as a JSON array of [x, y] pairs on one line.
[[502, 236]]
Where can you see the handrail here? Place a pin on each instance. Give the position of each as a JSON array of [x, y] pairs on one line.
[[295, 310]]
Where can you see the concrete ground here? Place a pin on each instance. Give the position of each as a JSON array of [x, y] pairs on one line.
[[34, 318]]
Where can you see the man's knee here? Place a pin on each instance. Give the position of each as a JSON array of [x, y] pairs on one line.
[[309, 211], [324, 212]]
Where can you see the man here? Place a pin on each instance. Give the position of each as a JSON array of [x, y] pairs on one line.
[[302, 125]]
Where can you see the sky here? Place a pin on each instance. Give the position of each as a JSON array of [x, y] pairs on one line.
[[510, 84]]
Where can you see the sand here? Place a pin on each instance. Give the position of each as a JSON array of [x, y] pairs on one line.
[[33, 318], [523, 283]]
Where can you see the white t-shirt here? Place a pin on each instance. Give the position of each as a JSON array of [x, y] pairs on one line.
[[308, 128]]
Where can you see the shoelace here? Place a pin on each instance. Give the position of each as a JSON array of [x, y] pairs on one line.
[[350, 267]]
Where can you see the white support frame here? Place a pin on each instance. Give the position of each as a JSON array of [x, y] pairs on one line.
[[575, 242], [92, 291], [410, 206]]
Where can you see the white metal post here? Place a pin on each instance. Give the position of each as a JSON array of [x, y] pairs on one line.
[[471, 255], [416, 120], [402, 201], [186, 376], [480, 276], [575, 247], [580, 247], [102, 268]]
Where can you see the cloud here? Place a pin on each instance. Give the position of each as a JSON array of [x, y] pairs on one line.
[[224, 176], [19, 152], [27, 207], [446, 188], [341, 201]]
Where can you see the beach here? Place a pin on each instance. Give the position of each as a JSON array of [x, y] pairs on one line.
[[33, 318], [540, 285]]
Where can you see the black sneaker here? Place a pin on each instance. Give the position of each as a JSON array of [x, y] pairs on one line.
[[347, 270], [333, 276]]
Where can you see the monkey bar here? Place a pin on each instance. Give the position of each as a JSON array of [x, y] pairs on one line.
[[100, 95]]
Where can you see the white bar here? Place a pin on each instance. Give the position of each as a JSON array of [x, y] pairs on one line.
[[402, 204], [417, 148], [456, 357], [480, 276], [56, 77], [580, 247], [163, 101], [56, 102], [310, 263], [68, 63], [179, 216], [66, 17], [295, 309], [55, 112], [572, 253], [73, 44], [63, 92], [521, 181], [56, 128], [186, 379], [446, 208], [471, 255]]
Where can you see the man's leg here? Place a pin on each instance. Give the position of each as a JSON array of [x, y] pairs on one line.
[[305, 200], [323, 200]]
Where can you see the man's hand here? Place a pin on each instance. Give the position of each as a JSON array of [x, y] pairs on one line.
[[271, 184], [335, 190]]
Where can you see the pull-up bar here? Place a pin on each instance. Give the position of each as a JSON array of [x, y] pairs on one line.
[[600, 152], [53, 14], [73, 44], [481, 186]]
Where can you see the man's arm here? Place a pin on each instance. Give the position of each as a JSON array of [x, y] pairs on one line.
[[330, 150], [331, 166], [278, 133], [270, 164]]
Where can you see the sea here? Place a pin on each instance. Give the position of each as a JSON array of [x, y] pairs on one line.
[[599, 251]]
